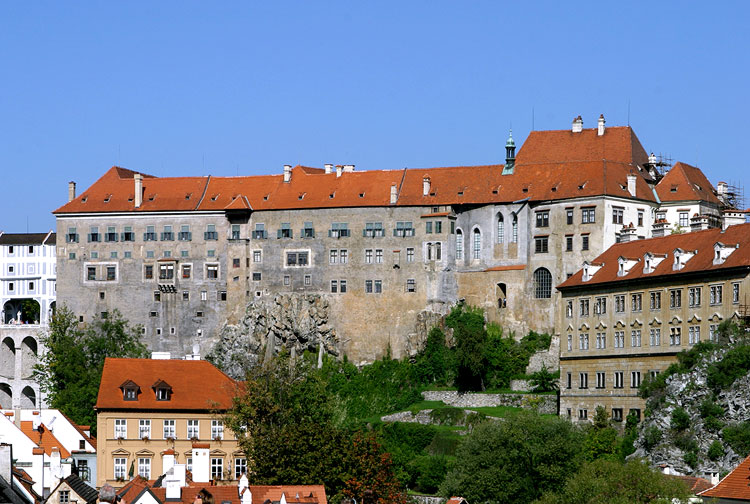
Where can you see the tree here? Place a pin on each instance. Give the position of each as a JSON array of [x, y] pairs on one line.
[[433, 360], [515, 460], [70, 369], [617, 483], [470, 346], [543, 381]]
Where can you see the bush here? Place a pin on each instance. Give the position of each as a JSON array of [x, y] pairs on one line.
[[689, 358], [651, 437], [738, 438], [709, 408], [429, 473], [691, 459], [686, 442], [680, 419], [713, 424], [736, 363], [716, 450], [448, 416], [543, 381], [444, 443]]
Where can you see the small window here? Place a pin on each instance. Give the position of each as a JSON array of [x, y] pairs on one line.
[[212, 271], [411, 285], [185, 295], [256, 276], [222, 295]]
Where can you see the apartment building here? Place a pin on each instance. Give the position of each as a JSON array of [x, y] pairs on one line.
[[389, 250], [152, 409], [629, 312], [27, 300]]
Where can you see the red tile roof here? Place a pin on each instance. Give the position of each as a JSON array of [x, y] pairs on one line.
[[196, 384], [702, 241], [46, 441], [695, 485], [686, 183], [734, 485], [551, 165]]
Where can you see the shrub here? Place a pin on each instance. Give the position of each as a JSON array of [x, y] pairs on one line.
[[680, 419], [689, 358], [686, 442], [444, 443], [738, 438], [713, 424], [448, 416], [709, 408], [716, 450], [736, 362], [651, 437], [691, 459], [543, 381]]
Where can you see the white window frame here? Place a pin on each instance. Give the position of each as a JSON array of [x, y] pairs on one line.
[[121, 428], [193, 429]]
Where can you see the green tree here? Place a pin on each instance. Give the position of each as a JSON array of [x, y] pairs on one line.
[[617, 483], [70, 369], [544, 381], [470, 339], [433, 361], [515, 460]]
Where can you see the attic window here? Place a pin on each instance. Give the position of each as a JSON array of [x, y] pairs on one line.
[[130, 391], [151, 197], [301, 196], [580, 187], [163, 390], [214, 197], [130, 198], [188, 195], [83, 199], [554, 188], [494, 191], [460, 193], [673, 188], [332, 195], [265, 198], [525, 189], [107, 198], [362, 195]]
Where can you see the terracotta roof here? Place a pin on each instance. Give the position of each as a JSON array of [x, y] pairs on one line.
[[695, 484], [512, 267], [551, 165], [686, 183], [196, 384], [457, 500], [47, 441], [734, 485], [702, 241]]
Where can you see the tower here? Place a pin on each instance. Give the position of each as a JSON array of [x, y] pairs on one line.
[[510, 155]]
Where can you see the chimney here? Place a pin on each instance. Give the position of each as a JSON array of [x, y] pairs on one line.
[[577, 125], [329, 167], [348, 168], [167, 461], [6, 460], [35, 420], [174, 480], [242, 483], [138, 189], [287, 173], [246, 496], [201, 468], [71, 191], [631, 184], [425, 186], [600, 125], [394, 194], [339, 169], [652, 159], [628, 233]]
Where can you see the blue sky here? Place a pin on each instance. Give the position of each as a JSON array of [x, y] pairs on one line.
[[221, 88]]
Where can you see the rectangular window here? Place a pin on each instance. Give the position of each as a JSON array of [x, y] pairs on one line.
[[343, 256], [620, 303], [635, 338], [368, 286], [583, 341], [217, 468], [409, 254], [186, 271], [694, 296], [185, 234], [569, 216], [193, 429], [675, 336], [111, 273], [569, 309], [378, 286], [584, 242], [617, 214], [256, 276], [570, 342], [90, 275], [438, 227], [618, 382], [601, 306], [150, 234], [716, 294], [166, 271], [619, 339], [568, 243], [185, 295], [217, 429], [569, 380], [285, 231], [684, 219], [675, 298], [655, 337], [403, 228], [640, 218], [236, 231], [257, 256], [259, 233], [368, 256], [588, 215], [617, 414], [235, 262], [64, 497], [212, 271], [287, 280], [694, 334], [583, 308], [378, 256], [94, 235], [333, 256], [541, 245], [373, 229], [601, 340], [204, 295], [342, 286], [583, 380], [635, 379], [636, 302], [655, 300], [121, 428], [111, 235], [144, 467], [240, 467], [713, 332], [542, 219], [334, 286], [120, 471], [167, 234], [583, 414], [308, 280], [297, 258], [339, 230], [428, 227], [169, 430], [601, 380], [735, 293], [411, 285], [144, 428], [157, 296]]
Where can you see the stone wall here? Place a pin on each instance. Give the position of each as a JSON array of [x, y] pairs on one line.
[[546, 404], [548, 358]]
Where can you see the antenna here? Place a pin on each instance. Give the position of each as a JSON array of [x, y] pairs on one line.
[[628, 111]]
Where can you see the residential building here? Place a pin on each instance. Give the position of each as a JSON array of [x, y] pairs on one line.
[[14, 483], [149, 409], [629, 312], [73, 490], [27, 299], [732, 489], [390, 250]]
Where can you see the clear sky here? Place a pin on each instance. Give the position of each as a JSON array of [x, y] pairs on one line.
[[226, 88]]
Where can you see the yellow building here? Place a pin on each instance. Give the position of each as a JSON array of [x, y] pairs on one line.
[[628, 313], [149, 409]]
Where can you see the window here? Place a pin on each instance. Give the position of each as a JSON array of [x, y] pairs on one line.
[[144, 467], [713, 332], [403, 228], [373, 229], [379, 256], [368, 256], [334, 286], [619, 339], [428, 227], [111, 273], [204, 295], [111, 235], [583, 306], [735, 293], [568, 243], [438, 227], [675, 298], [541, 244], [583, 414], [655, 300], [459, 245], [169, 431], [144, 428], [72, 236], [186, 271], [694, 296], [410, 254], [542, 284], [635, 338], [235, 231], [618, 383], [617, 414], [620, 303], [716, 294], [684, 219], [411, 285], [212, 271], [333, 256], [476, 244], [584, 242], [186, 295], [583, 341], [167, 234], [636, 302], [308, 280], [583, 380], [94, 236], [285, 231], [617, 215], [378, 286], [150, 254], [655, 337], [221, 296], [259, 233], [193, 429], [588, 215], [287, 280], [368, 286], [635, 379], [297, 258], [90, 275], [569, 380], [341, 230], [542, 219], [569, 309], [640, 218], [601, 340], [343, 256], [307, 231], [164, 392], [189, 463], [600, 308], [569, 216], [570, 342], [256, 276], [601, 380], [150, 234], [500, 228], [514, 230], [120, 467], [166, 271], [94, 254], [694, 334], [342, 286], [157, 296], [217, 429], [240, 467], [121, 428], [217, 468], [257, 256], [675, 336]]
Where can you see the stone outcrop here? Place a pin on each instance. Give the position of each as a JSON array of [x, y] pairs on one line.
[[295, 322], [546, 358], [546, 404]]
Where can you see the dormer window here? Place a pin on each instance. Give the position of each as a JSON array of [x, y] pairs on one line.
[[130, 391], [590, 269], [162, 390], [651, 261], [681, 257], [722, 251], [624, 265]]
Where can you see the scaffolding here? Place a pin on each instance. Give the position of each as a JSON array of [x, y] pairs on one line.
[[658, 166], [732, 194]]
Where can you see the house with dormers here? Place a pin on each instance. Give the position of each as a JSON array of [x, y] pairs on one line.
[[628, 313], [152, 410]]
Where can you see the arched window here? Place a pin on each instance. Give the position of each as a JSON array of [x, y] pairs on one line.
[[500, 228], [459, 245], [514, 238], [542, 284], [477, 244]]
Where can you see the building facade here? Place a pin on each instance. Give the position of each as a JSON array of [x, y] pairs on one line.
[[152, 409], [628, 313], [27, 297], [389, 251]]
